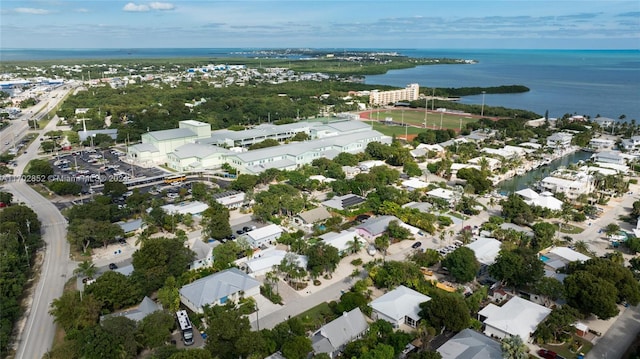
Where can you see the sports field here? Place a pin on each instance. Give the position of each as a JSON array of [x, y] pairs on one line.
[[416, 119]]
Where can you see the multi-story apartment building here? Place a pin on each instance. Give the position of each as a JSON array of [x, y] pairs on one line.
[[410, 93]]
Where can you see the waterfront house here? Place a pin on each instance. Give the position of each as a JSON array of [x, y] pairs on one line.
[[608, 157], [559, 140], [600, 144]]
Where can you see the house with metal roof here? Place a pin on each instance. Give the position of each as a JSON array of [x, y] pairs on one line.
[[263, 236], [218, 288], [469, 344], [342, 240], [516, 317], [230, 199], [376, 226], [399, 306], [485, 249], [266, 261], [333, 336], [344, 202], [130, 226], [137, 313]]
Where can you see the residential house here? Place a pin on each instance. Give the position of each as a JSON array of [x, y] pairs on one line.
[[600, 144], [218, 288], [146, 307], [341, 241], [604, 121], [485, 249], [306, 220], [492, 164], [469, 344], [559, 140], [442, 193], [131, 226], [333, 336], [204, 253], [544, 200], [559, 257], [572, 188], [230, 199], [344, 202], [423, 207], [376, 226], [631, 144], [399, 306], [193, 208], [263, 236], [413, 184], [267, 260], [608, 157], [516, 317]]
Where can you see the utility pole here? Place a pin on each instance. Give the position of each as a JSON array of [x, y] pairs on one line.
[[426, 107], [482, 110], [441, 115]]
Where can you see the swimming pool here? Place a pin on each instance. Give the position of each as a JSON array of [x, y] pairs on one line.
[[544, 258]]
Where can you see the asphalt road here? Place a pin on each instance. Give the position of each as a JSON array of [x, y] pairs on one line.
[[38, 334], [39, 330], [619, 337]]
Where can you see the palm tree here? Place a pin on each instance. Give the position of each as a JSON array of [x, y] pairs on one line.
[[86, 268], [382, 243], [582, 247], [514, 348], [273, 278], [354, 246], [611, 230]]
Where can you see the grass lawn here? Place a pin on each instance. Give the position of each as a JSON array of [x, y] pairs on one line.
[[564, 348], [416, 117], [317, 316], [569, 229], [399, 131]]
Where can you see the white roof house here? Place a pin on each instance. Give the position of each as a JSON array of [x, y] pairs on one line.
[[265, 261], [516, 317], [343, 202], [333, 336], [399, 306], [485, 249], [544, 200], [263, 236], [230, 199], [414, 183], [137, 313], [442, 193], [375, 226], [469, 344], [340, 240], [194, 208], [218, 288]]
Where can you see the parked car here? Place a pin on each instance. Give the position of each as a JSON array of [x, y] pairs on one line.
[[416, 245], [113, 266], [547, 354]]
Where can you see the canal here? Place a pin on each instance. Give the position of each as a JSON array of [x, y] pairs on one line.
[[528, 179]]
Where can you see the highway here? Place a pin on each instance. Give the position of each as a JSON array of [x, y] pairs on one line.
[[38, 333]]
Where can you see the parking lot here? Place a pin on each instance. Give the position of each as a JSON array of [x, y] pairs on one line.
[[92, 167]]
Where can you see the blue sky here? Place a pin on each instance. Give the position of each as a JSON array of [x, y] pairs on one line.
[[530, 24]]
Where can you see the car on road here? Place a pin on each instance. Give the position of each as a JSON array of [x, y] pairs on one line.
[[246, 229], [240, 231], [416, 245], [548, 354], [113, 266]]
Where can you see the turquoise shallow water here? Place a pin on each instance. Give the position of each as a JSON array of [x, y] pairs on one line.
[[585, 82]]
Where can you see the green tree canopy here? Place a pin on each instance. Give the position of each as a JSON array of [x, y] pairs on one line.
[[518, 268], [462, 264], [446, 311], [157, 259]]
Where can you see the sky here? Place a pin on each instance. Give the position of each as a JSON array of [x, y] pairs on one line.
[[450, 24]]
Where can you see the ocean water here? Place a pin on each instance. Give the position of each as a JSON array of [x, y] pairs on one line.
[[584, 82]]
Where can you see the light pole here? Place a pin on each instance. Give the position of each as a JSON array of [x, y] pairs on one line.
[[426, 106], [441, 114], [482, 110]]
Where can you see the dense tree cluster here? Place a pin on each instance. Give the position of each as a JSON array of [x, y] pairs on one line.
[[19, 240]]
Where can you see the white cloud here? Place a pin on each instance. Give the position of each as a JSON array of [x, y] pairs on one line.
[[83, 10], [33, 11], [163, 6], [135, 8]]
